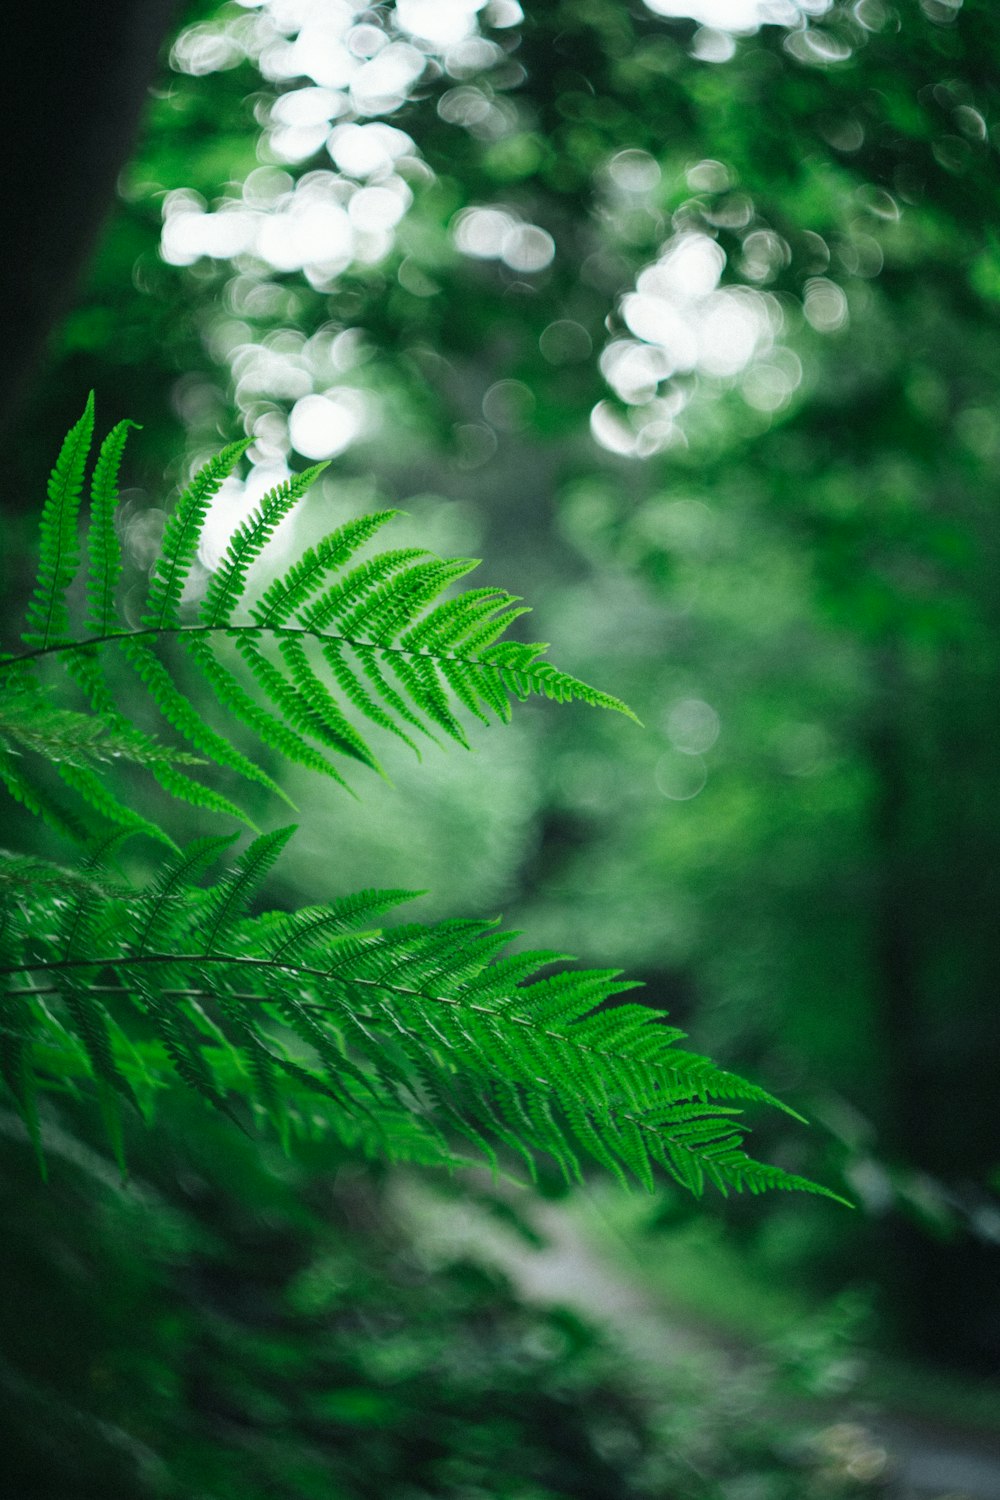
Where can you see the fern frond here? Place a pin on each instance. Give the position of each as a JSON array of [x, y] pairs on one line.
[[197, 794], [48, 615], [173, 885], [333, 727], [520, 669], [65, 737], [93, 790], [299, 712], [403, 1037], [20, 872], [354, 588], [33, 795], [269, 729], [303, 930], [336, 646], [430, 1024], [357, 696], [181, 714]]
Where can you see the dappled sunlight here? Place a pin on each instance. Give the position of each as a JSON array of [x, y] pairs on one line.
[[742, 17], [739, 17], [680, 777], [357, 66], [499, 234], [686, 335], [686, 325], [324, 425], [692, 726]]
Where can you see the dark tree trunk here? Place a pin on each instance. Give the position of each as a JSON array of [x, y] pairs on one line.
[[897, 960], [905, 1110], [76, 79], [939, 1114]]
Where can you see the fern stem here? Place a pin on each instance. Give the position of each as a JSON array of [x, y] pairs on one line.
[[279, 632]]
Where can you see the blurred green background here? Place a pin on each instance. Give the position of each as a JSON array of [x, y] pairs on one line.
[[684, 315]]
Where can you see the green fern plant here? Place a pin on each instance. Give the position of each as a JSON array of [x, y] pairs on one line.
[[415, 1042]]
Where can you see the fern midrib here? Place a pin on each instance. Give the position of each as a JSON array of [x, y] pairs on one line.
[[287, 632]]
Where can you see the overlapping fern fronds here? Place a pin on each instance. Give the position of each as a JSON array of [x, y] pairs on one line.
[[343, 645], [402, 1040]]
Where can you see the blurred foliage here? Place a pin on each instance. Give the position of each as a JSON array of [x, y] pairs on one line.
[[247, 1325]]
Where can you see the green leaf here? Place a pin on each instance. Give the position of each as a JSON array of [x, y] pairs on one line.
[[103, 548], [182, 534], [48, 615], [228, 583]]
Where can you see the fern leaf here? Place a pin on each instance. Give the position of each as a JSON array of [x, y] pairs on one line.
[[265, 724], [92, 789], [466, 686], [179, 1043], [85, 927], [181, 536], [417, 675], [337, 731], [351, 590], [229, 581], [237, 889], [181, 714], [173, 885], [349, 683], [103, 548], [387, 610], [286, 595], [523, 673], [26, 871], [296, 706], [197, 794], [400, 1036], [490, 629], [371, 667], [63, 736], [372, 640], [76, 922], [427, 1023], [48, 615], [448, 625], [303, 930], [36, 798]]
